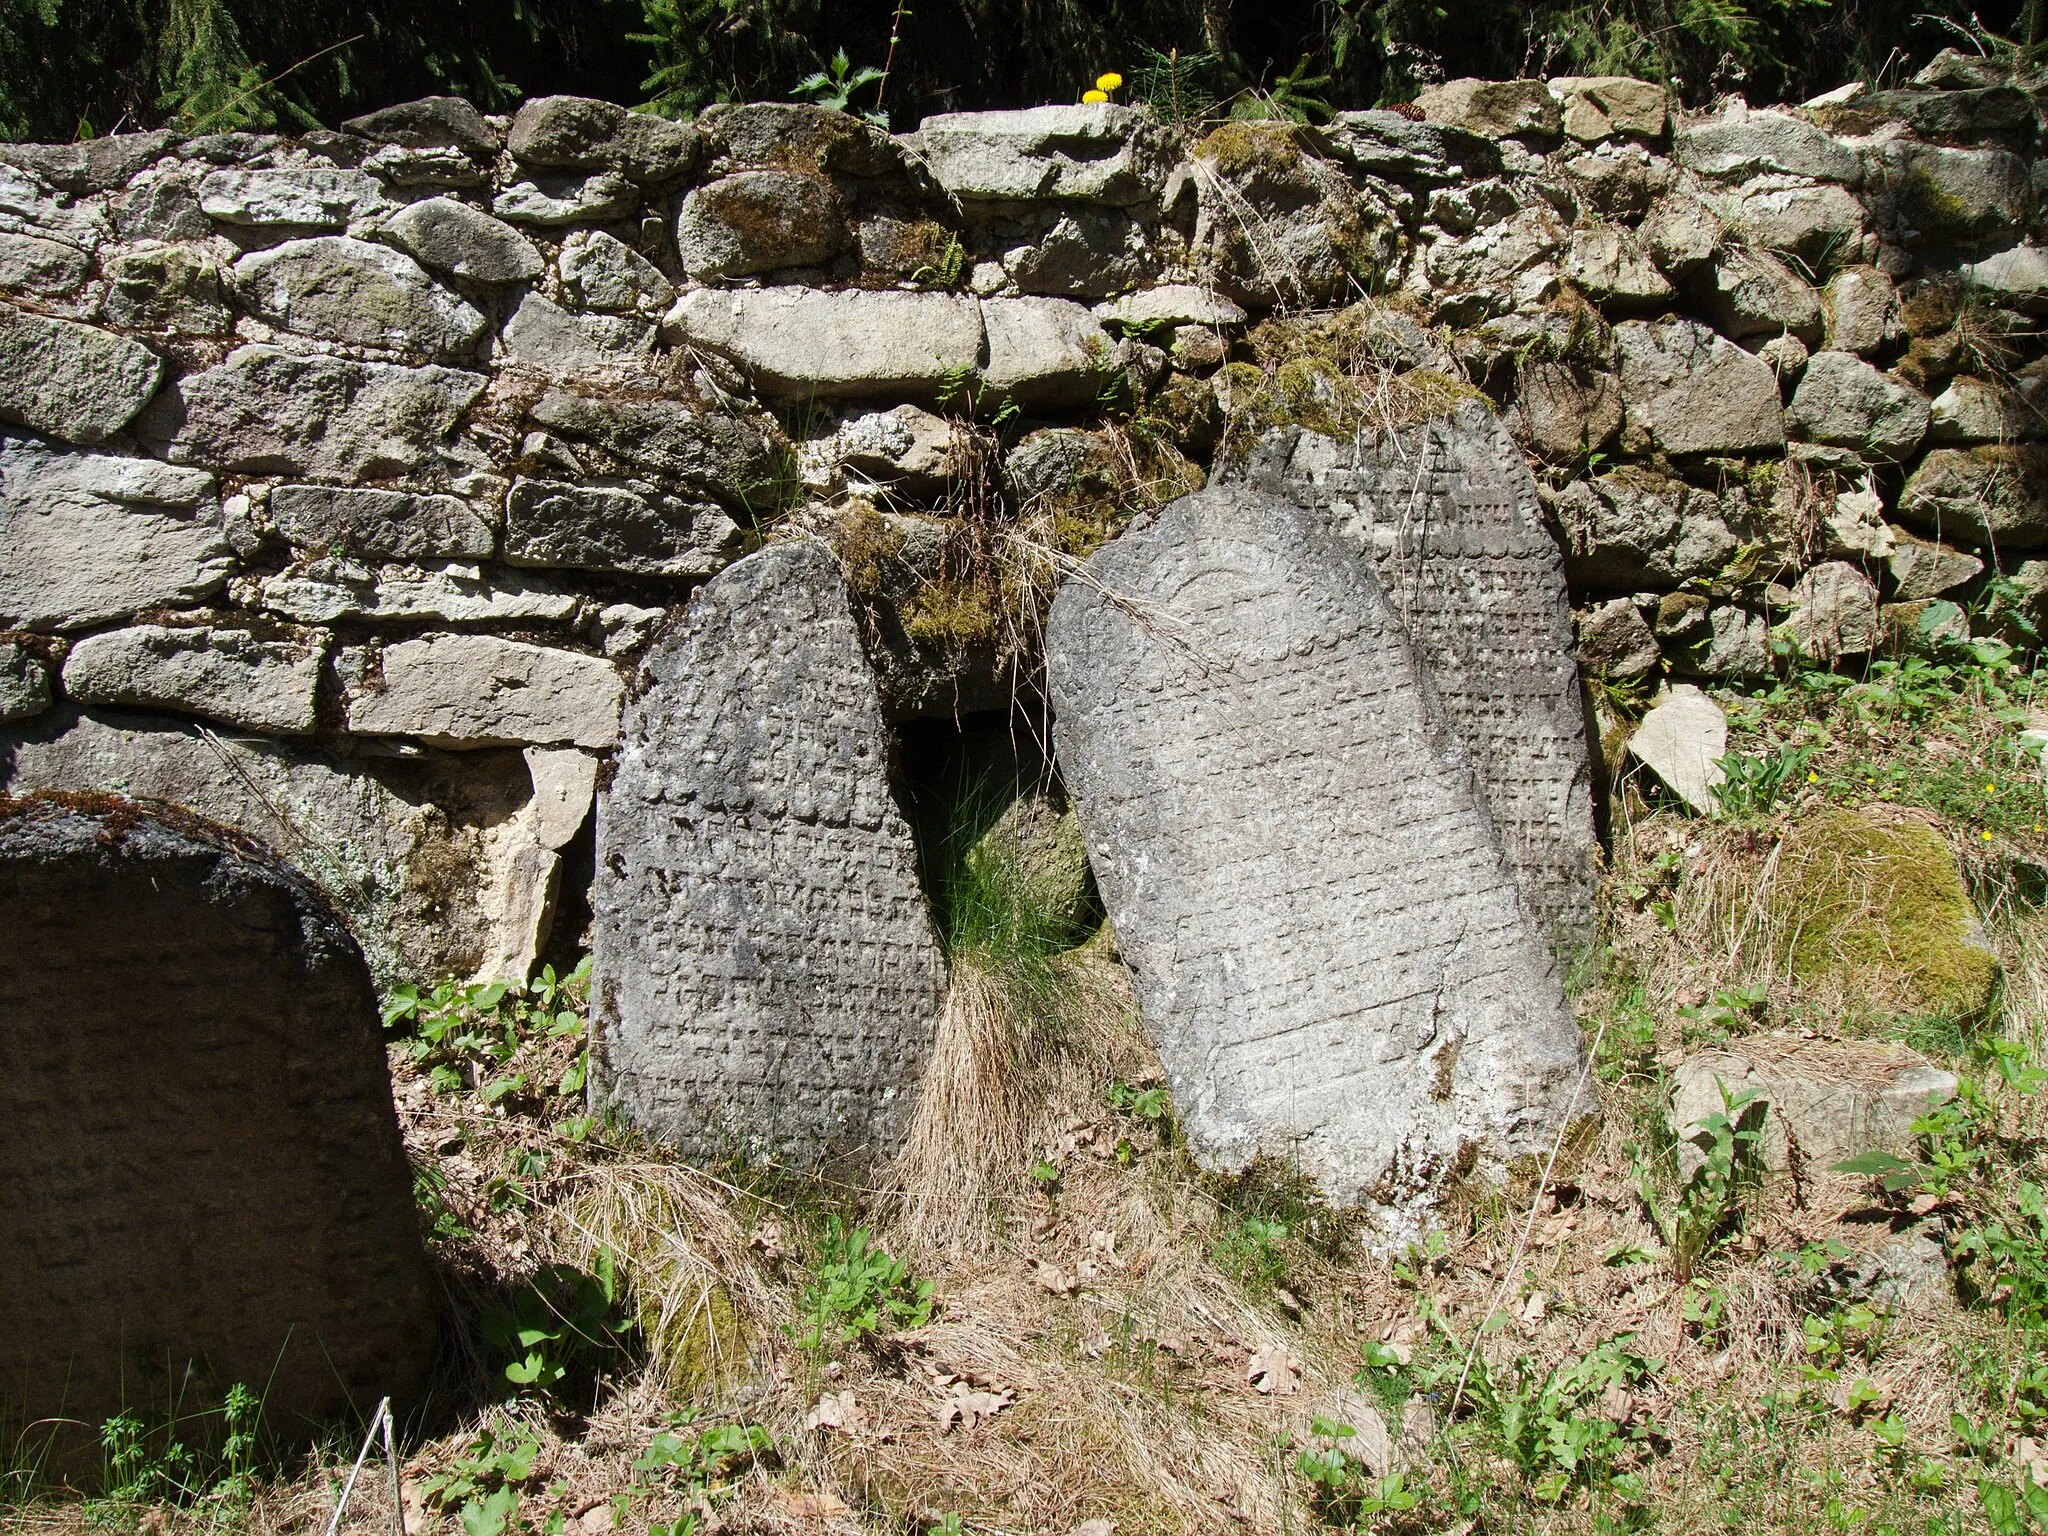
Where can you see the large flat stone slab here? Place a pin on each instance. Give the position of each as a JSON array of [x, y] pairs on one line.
[[1329, 947], [766, 976], [613, 528], [460, 690], [220, 672], [360, 294], [201, 1177], [800, 342], [69, 380], [263, 410], [1096, 152], [1448, 514], [395, 525], [1688, 391], [1830, 1099], [88, 537]]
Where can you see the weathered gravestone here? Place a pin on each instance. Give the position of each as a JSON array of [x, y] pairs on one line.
[[1448, 513], [1329, 948], [201, 1177], [766, 977]]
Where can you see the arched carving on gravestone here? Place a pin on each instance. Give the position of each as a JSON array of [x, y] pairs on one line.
[[201, 1175], [766, 977], [1447, 512], [1328, 946]]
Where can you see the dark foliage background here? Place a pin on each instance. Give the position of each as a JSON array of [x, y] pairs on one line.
[[80, 67]]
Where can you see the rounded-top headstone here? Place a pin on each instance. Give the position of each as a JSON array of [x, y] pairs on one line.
[[1327, 942], [1447, 512], [202, 1181]]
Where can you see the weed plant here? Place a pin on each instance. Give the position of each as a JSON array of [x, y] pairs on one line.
[[858, 1292], [1706, 1208], [472, 1036]]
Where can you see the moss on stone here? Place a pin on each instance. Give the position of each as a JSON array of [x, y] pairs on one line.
[[1245, 149], [1930, 307], [1874, 911], [1328, 373], [1932, 209], [953, 617], [866, 543], [1185, 414], [1315, 393]]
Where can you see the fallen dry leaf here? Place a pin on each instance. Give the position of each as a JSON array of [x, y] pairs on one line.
[[1537, 1305], [768, 1239], [1167, 1339], [1273, 1372], [1095, 1528], [1418, 1429], [1617, 1403], [1051, 1277], [2032, 1458], [836, 1410], [808, 1506], [969, 1408], [1372, 1443]]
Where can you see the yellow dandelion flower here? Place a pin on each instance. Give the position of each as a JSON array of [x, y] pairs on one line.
[[1108, 82], [1985, 835], [1095, 95], [1813, 778], [1990, 789]]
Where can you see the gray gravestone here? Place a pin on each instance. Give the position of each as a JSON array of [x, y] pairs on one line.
[[767, 980], [1329, 948], [1448, 513], [201, 1176]]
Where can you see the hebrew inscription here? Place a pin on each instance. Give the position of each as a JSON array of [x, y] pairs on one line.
[[1329, 948], [767, 977], [1448, 513], [201, 1177]]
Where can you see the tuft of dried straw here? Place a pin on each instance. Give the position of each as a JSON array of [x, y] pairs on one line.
[[676, 1234]]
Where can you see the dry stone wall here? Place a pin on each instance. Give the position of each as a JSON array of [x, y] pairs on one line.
[[344, 477]]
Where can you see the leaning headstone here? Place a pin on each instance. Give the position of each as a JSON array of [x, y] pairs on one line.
[[201, 1176], [767, 980], [1448, 514], [1329, 948]]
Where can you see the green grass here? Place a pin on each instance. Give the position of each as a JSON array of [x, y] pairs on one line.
[[1942, 738]]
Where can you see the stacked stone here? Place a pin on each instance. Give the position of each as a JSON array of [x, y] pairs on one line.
[[1781, 362], [344, 474]]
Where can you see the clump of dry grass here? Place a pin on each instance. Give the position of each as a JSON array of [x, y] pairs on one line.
[[969, 1142], [694, 1270], [1013, 1058]]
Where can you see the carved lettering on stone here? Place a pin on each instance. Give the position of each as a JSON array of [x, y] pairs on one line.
[[766, 975], [1448, 514], [201, 1176], [1328, 946]]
